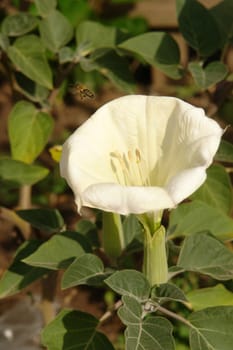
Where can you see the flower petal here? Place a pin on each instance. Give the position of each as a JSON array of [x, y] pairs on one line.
[[125, 200]]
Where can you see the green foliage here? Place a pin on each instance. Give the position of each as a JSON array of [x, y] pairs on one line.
[[198, 216], [86, 269], [29, 130], [21, 173], [216, 190], [209, 75], [148, 333], [130, 283], [197, 26], [48, 220], [76, 330], [58, 252], [55, 31], [43, 50], [28, 55], [212, 328], [203, 253], [158, 49], [208, 297], [19, 24], [20, 275]]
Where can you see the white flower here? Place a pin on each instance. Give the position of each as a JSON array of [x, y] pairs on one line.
[[139, 154]]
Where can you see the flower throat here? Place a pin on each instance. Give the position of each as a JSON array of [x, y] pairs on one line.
[[127, 168]]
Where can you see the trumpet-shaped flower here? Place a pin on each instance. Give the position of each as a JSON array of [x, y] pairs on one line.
[[139, 154]]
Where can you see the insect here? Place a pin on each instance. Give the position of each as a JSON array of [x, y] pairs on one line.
[[82, 91]]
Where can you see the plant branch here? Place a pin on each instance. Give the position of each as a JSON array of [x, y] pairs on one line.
[[173, 315], [110, 312]]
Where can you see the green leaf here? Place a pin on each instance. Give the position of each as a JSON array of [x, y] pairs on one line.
[[223, 15], [201, 252], [29, 131], [86, 269], [129, 282], [19, 24], [21, 173], [4, 42], [132, 228], [225, 152], [114, 67], [167, 291], [55, 31], [216, 191], [149, 333], [198, 27], [66, 54], [209, 75], [44, 7], [48, 220], [212, 329], [197, 216], [58, 252], [19, 275], [74, 330], [158, 49], [28, 55], [75, 11], [91, 36], [209, 297], [33, 91]]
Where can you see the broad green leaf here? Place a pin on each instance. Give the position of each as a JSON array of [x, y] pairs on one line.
[[48, 220], [202, 252], [156, 48], [209, 75], [132, 228], [212, 329], [225, 152], [223, 15], [74, 330], [44, 7], [28, 55], [198, 27], [90, 231], [19, 275], [29, 131], [216, 191], [114, 67], [66, 54], [21, 173], [4, 42], [91, 36], [33, 91], [55, 30], [19, 24], [149, 333], [58, 252], [129, 282], [167, 291], [197, 216], [86, 269], [76, 11], [209, 297]]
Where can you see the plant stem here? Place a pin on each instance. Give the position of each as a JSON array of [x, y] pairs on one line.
[[113, 236], [174, 315], [155, 258], [109, 313]]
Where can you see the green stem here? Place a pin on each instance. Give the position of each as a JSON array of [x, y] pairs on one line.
[[155, 265], [113, 236]]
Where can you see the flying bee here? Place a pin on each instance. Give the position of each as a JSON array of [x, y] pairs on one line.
[[82, 91]]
